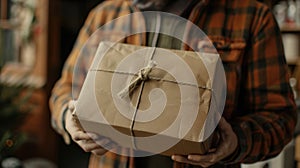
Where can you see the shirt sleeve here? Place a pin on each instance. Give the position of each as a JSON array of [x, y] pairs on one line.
[[75, 69], [267, 114], [62, 91]]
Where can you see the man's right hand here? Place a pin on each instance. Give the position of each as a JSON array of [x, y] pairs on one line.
[[85, 140]]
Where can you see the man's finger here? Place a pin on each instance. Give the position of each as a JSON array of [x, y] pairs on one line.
[[99, 151], [204, 158], [80, 135], [183, 159], [103, 141], [88, 146]]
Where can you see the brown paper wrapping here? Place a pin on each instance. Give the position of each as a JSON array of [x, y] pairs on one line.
[[106, 73]]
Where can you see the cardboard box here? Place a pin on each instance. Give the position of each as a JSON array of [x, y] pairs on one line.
[[153, 99]]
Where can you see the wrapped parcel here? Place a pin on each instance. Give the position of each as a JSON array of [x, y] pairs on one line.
[[153, 99]]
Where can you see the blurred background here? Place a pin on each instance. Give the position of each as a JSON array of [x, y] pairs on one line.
[[36, 36]]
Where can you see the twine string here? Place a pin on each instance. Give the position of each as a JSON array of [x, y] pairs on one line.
[[143, 75]]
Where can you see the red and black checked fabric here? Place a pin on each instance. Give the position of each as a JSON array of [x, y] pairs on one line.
[[259, 104]]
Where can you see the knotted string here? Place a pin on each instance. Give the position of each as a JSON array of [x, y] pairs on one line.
[[143, 75]]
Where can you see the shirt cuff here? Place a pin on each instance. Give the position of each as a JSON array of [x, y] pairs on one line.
[[59, 124]]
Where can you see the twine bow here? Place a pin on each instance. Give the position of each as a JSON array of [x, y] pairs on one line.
[[143, 75]]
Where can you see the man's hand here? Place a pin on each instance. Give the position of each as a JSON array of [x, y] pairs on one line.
[[85, 140], [227, 145]]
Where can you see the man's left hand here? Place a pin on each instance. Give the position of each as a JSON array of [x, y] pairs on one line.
[[227, 145]]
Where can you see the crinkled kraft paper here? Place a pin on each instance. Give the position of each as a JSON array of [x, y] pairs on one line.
[[171, 104]]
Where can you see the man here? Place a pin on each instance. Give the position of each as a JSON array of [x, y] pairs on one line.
[[260, 113]]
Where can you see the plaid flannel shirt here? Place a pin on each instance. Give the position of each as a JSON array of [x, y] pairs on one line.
[[259, 105]]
